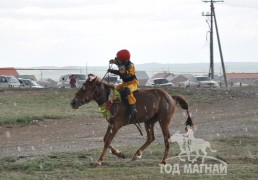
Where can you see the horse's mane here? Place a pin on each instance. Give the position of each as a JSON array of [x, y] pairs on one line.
[[100, 80]]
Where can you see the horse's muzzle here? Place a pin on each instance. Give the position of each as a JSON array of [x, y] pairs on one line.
[[75, 104]]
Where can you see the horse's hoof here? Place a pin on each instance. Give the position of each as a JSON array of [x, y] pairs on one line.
[[97, 163], [163, 162], [136, 157], [121, 155]]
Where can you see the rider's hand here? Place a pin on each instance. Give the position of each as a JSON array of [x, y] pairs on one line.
[[114, 71], [112, 61]]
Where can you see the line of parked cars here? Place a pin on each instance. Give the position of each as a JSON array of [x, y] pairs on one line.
[[64, 82], [13, 82], [195, 81]]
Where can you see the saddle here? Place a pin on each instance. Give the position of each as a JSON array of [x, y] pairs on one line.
[[115, 97]]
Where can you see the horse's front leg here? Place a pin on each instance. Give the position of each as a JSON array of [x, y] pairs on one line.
[[110, 134], [113, 150]]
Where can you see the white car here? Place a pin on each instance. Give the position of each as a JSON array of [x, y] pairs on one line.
[[29, 83], [200, 81], [159, 82], [9, 81]]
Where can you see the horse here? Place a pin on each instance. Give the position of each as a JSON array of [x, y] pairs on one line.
[[153, 105]]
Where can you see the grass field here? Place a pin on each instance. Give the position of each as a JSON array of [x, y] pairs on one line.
[[22, 107], [240, 154], [26, 106]]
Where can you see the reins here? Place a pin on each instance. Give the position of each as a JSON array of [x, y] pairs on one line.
[[94, 85], [110, 66]]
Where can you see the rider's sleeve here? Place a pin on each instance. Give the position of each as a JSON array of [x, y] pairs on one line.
[[130, 71]]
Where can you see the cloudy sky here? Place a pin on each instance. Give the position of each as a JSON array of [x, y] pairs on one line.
[[73, 32]]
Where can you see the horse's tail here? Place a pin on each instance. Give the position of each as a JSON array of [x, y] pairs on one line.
[[181, 102]]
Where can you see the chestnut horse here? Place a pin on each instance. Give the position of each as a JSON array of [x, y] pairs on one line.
[[153, 105]]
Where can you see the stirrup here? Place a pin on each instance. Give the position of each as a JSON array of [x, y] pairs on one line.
[[133, 109]]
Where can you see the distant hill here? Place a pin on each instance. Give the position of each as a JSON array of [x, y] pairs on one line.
[[150, 68]]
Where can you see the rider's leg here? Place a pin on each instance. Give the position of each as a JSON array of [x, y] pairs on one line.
[[132, 103], [131, 99], [128, 96]]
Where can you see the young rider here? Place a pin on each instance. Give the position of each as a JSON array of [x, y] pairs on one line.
[[126, 71]]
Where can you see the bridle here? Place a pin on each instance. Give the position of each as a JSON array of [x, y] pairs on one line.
[[94, 91], [94, 86]]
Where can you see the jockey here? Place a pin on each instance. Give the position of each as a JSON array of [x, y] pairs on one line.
[[126, 71]]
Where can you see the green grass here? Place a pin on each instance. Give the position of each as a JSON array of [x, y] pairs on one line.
[[242, 160], [26, 106]]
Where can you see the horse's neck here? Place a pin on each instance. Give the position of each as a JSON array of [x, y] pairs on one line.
[[103, 96]]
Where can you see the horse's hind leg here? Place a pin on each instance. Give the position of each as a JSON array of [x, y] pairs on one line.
[[165, 130], [150, 138]]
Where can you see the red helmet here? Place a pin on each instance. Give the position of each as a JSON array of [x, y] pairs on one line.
[[123, 56]]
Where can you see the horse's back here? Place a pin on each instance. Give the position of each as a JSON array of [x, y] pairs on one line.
[[150, 95], [151, 102]]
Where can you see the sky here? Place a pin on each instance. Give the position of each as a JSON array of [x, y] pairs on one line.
[[78, 32]]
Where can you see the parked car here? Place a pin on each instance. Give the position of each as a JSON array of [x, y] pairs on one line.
[[9, 81], [64, 80], [200, 81], [29, 83], [159, 82]]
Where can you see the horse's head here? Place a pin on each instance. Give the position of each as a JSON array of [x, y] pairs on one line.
[[86, 93]]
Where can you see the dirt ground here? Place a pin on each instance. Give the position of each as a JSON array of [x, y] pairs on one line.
[[234, 116]]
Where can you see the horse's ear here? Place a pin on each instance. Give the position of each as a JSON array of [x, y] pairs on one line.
[[92, 77]]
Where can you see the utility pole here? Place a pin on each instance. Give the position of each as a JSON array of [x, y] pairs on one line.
[[220, 51], [212, 15]]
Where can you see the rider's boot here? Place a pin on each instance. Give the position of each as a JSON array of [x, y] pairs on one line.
[[133, 109]]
